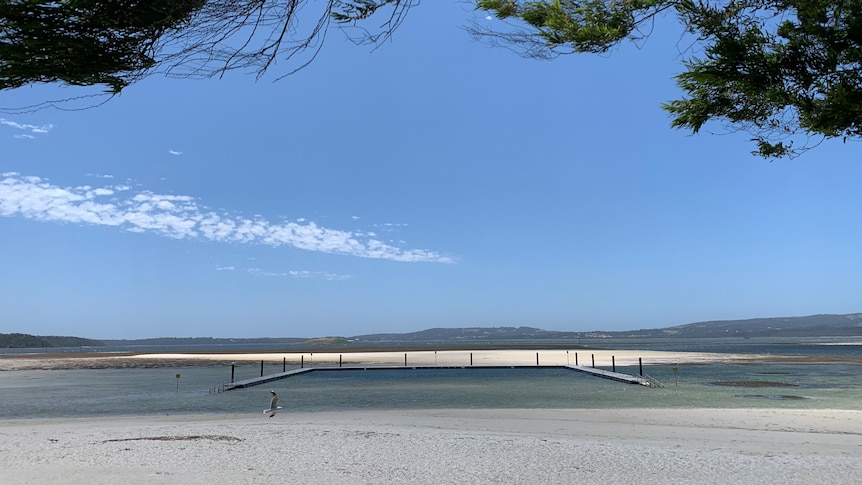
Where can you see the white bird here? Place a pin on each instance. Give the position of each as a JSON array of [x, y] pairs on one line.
[[273, 405]]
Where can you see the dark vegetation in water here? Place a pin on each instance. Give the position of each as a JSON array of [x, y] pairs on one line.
[[783, 397], [752, 384]]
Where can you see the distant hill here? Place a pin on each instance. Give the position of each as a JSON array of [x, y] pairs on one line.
[[26, 341], [466, 334], [849, 325], [197, 341]]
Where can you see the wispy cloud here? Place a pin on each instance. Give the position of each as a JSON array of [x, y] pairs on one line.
[[319, 274], [297, 274], [304, 274], [174, 152], [32, 129], [389, 226], [270, 274], [181, 217]]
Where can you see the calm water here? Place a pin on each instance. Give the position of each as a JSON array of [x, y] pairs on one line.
[[79, 393], [136, 391]]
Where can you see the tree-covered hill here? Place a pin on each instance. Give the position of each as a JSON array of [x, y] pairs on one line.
[[848, 325], [26, 341]]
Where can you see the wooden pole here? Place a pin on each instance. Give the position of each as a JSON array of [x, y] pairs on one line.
[[537, 359], [613, 363], [232, 370], [284, 364], [641, 366], [339, 360], [261, 368], [594, 360]]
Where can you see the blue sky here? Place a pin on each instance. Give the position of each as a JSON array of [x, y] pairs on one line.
[[434, 182]]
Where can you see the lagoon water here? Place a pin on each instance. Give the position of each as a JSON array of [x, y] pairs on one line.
[[116, 392], [139, 391]]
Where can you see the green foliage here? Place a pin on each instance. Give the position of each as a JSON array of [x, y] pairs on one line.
[[27, 341], [84, 42], [118, 42], [355, 10], [776, 68], [584, 26], [779, 69]]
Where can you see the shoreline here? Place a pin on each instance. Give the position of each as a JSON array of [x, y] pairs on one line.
[[643, 445], [646, 445], [459, 357]]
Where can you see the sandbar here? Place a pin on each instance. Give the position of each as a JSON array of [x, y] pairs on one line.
[[488, 357]]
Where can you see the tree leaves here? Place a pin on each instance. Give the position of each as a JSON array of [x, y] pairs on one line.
[[779, 69], [84, 42]]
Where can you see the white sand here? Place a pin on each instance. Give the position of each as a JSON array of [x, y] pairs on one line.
[[644, 446], [603, 358], [479, 357]]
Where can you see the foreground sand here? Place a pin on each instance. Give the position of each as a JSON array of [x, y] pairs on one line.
[[645, 446]]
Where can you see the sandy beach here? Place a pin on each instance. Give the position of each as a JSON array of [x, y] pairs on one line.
[[602, 358], [646, 446], [432, 446]]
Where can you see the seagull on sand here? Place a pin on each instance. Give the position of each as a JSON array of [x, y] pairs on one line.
[[273, 405]]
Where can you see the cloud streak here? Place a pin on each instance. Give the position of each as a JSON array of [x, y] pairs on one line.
[[319, 274], [36, 129], [181, 217]]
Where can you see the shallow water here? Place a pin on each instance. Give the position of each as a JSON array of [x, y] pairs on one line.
[[138, 391]]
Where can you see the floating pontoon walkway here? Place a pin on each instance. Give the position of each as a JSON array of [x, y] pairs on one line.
[[604, 374], [254, 381]]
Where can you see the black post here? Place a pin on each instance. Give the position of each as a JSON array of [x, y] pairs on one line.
[[261, 368], [405, 360], [301, 361], [613, 363], [576, 358], [339, 360], [471, 359], [594, 360], [232, 370], [284, 364], [641, 366], [537, 359]]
